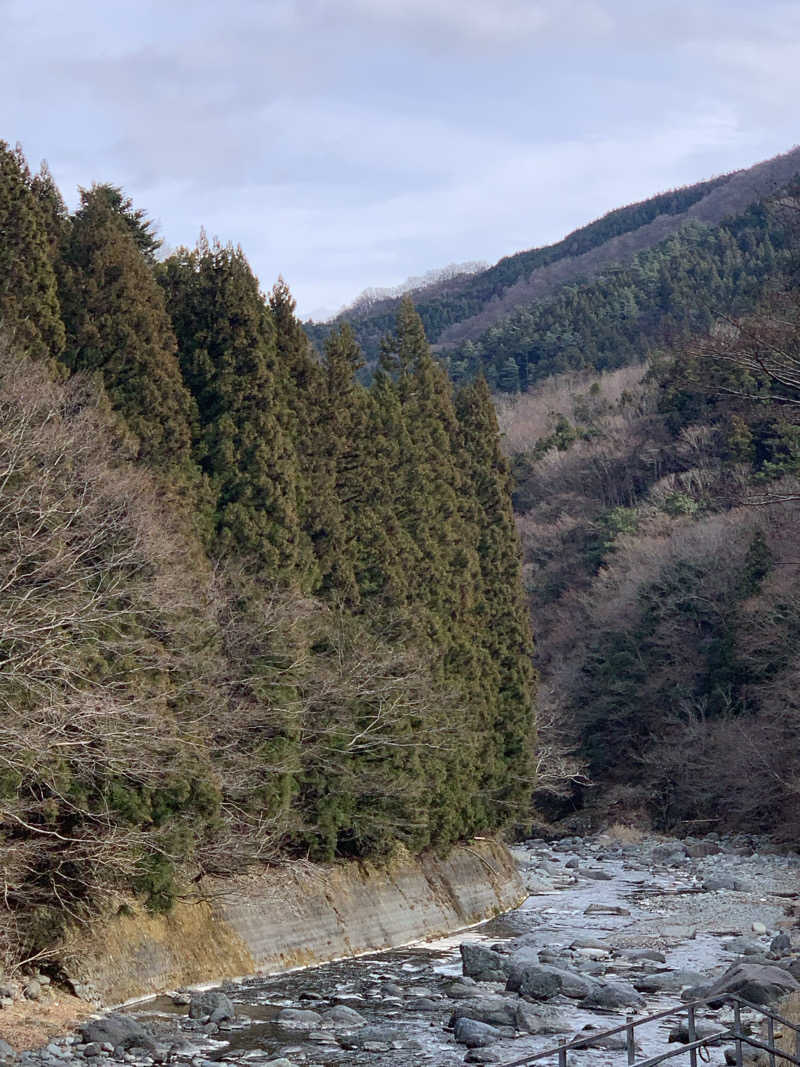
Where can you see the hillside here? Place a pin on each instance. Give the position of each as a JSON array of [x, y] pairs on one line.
[[251, 611], [659, 510], [499, 315]]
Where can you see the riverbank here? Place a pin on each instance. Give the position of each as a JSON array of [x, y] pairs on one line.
[[612, 926], [267, 922]]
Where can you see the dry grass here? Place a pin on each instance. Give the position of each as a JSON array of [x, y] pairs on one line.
[[30, 1024], [622, 834]]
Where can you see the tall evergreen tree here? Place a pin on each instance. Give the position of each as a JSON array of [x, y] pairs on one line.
[[29, 307], [227, 346], [501, 617], [117, 325]]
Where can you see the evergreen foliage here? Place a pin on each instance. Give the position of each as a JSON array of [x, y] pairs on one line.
[[274, 612], [227, 349], [29, 308], [117, 326]]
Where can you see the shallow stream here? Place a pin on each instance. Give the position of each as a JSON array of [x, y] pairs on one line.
[[404, 994]]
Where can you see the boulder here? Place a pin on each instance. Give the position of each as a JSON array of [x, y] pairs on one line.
[[724, 881], [667, 981], [7, 1054], [341, 1015], [211, 1006], [669, 854], [595, 873], [495, 1010], [539, 1019], [475, 1034], [743, 946], [462, 989], [613, 995], [754, 982], [538, 982], [483, 1055], [482, 963], [116, 1030], [368, 1035]]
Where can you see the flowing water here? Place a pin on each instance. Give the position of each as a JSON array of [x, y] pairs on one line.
[[403, 994]]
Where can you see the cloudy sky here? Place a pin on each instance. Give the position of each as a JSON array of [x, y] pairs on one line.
[[352, 143]]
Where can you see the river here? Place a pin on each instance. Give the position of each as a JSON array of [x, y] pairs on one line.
[[593, 903]]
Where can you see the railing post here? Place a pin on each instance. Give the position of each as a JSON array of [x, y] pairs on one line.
[[630, 1039], [562, 1052], [737, 1022], [692, 1030], [771, 1039]]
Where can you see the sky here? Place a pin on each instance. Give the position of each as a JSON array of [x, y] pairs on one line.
[[348, 144]]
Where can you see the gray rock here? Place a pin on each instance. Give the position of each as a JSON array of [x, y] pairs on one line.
[[743, 946], [595, 873], [643, 954], [340, 1015], [462, 989], [589, 942], [7, 1054], [669, 854], [699, 849], [724, 881], [475, 1034], [91, 1050], [494, 1010], [483, 1055], [298, 1019], [539, 1019], [605, 909], [32, 990], [781, 944], [116, 1032], [758, 928], [483, 964], [211, 1006], [385, 1035], [541, 982], [613, 995], [537, 982], [758, 984], [423, 1004], [667, 981]]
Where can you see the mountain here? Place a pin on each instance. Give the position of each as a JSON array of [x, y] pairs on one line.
[[484, 320]]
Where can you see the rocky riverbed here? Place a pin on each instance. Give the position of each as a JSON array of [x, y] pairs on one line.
[[613, 927]]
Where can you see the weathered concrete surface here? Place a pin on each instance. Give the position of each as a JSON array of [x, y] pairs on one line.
[[282, 919]]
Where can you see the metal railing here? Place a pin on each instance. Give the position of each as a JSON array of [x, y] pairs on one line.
[[695, 1044]]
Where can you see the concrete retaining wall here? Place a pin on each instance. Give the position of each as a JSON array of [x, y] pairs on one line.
[[271, 922]]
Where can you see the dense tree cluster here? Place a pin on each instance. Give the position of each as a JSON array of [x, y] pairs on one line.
[[251, 608]]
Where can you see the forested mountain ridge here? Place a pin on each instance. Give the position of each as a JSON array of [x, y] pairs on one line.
[[493, 320], [250, 609]]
